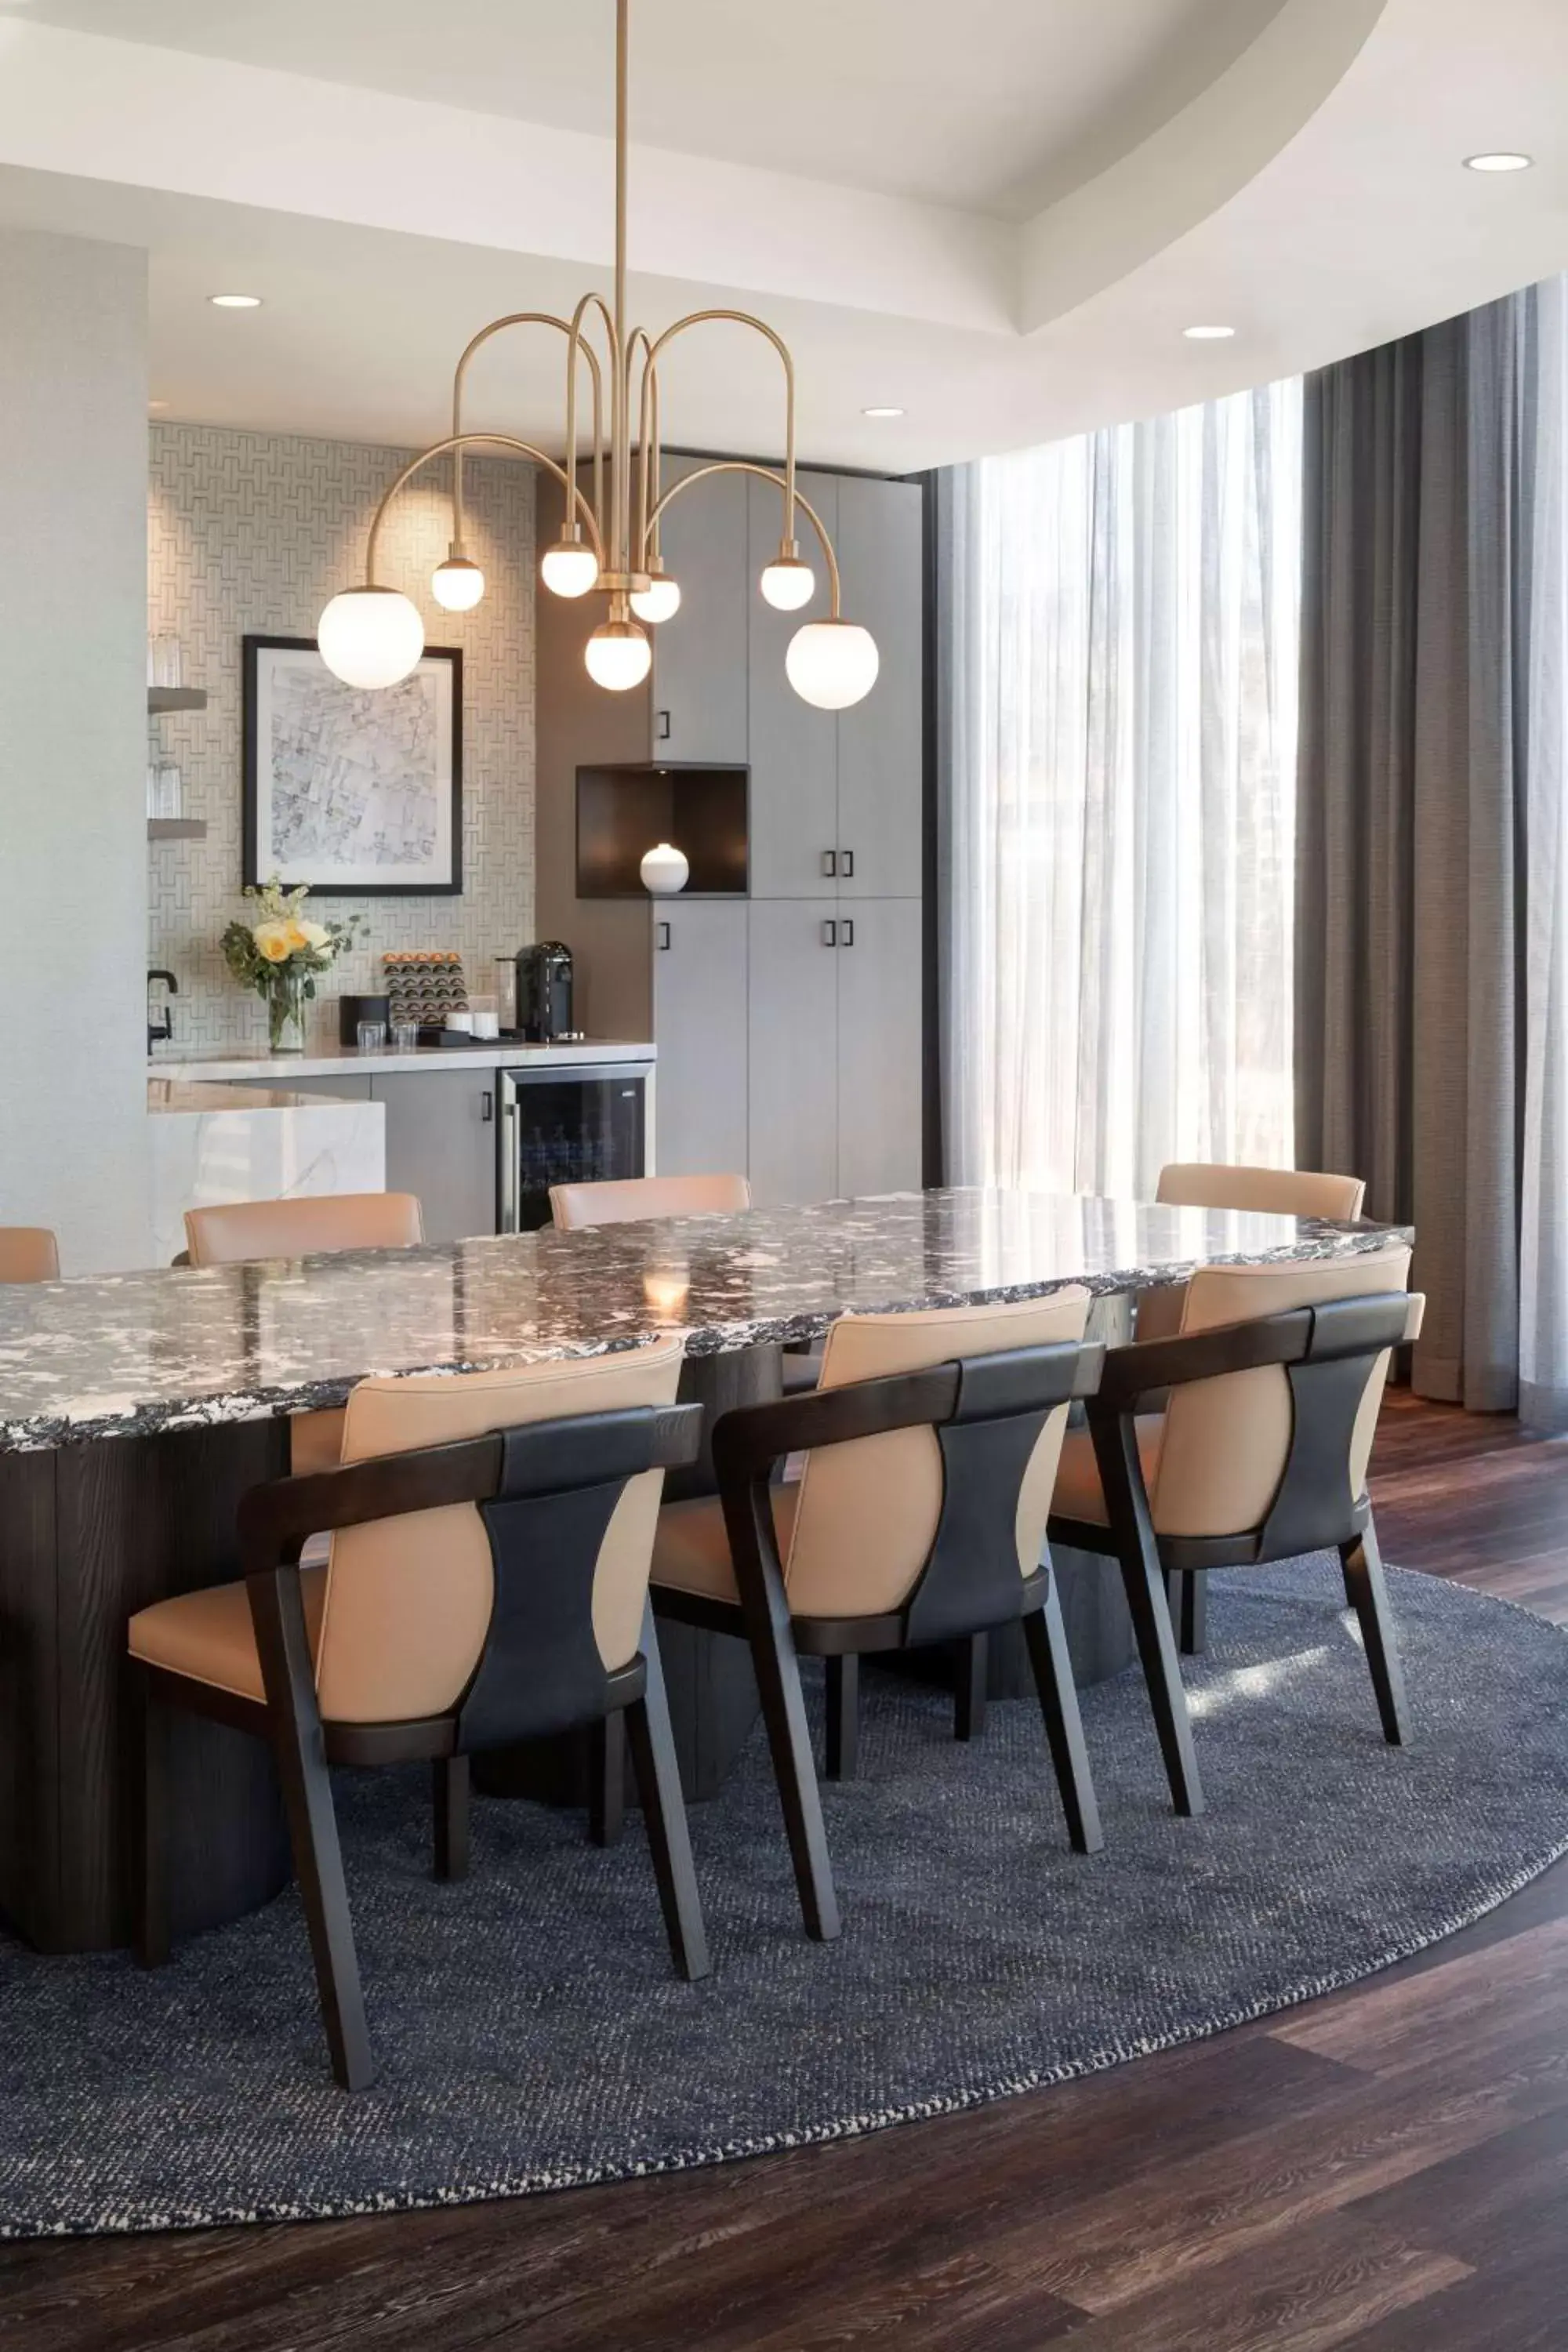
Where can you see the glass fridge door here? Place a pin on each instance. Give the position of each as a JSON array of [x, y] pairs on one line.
[[581, 1127]]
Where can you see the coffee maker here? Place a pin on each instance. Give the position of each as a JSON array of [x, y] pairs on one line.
[[544, 993]]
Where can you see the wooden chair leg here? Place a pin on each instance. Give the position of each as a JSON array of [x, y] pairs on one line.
[[154, 1930], [777, 1669], [971, 1661], [843, 1684], [664, 1811], [1145, 1588], [1368, 1595], [299, 1747], [1193, 1610], [449, 1793], [1045, 1637], [607, 1780]]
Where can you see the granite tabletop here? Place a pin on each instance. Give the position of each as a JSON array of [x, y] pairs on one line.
[[132, 1354]]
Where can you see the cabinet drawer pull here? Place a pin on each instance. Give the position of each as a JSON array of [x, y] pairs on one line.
[[487, 1108], [847, 934], [829, 864], [830, 934], [661, 932], [661, 726], [847, 863]]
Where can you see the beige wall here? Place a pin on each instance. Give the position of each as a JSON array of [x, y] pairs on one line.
[[251, 533], [73, 400]]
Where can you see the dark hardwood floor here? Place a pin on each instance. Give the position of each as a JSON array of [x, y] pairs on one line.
[[1387, 2170]]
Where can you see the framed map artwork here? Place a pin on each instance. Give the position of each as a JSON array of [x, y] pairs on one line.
[[359, 795]]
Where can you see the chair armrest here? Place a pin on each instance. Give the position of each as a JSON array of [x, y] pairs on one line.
[[1317, 1334], [535, 1457], [749, 1441]]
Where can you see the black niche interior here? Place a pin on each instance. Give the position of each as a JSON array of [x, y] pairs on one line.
[[623, 812]]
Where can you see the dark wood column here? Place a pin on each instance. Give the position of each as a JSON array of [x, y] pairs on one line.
[[88, 1534]]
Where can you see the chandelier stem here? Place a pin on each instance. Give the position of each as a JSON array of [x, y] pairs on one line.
[[620, 423]]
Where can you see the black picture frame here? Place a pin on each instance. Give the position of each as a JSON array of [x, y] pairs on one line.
[[258, 860]]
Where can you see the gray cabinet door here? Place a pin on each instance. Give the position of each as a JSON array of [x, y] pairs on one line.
[[699, 656], [793, 1073], [882, 740], [794, 749], [880, 1045], [441, 1129], [700, 1026]]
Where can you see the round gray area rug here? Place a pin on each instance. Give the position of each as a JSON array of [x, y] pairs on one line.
[[529, 2032]]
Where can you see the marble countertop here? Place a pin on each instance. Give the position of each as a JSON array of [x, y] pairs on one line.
[[201, 1099], [129, 1355], [223, 1067]]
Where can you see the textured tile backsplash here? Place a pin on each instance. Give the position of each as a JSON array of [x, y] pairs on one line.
[[250, 533]]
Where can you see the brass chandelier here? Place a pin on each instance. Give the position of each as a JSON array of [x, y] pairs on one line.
[[373, 635]]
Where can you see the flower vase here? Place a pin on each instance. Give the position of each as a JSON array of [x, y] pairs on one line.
[[286, 1012]]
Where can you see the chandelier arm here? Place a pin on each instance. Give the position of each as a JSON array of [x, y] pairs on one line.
[[458, 442], [514, 318], [579, 342], [792, 498], [764, 474], [647, 438]]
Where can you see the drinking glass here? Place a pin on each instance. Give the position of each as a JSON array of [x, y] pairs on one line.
[[372, 1036], [405, 1036]]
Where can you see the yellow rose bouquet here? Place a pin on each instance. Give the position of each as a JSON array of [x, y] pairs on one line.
[[280, 954]]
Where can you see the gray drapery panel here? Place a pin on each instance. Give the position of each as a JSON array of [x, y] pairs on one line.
[[1409, 1014]]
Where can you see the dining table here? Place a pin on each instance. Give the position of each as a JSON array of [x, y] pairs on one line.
[[136, 1408]]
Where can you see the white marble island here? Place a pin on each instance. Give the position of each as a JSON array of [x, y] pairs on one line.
[[216, 1142]]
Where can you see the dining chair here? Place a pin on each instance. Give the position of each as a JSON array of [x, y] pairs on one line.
[[486, 1584], [931, 1448], [235, 1233], [627, 1198], [1271, 1192], [28, 1253], [1271, 1394]]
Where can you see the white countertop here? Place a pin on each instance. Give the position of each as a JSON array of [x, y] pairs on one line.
[[200, 1100], [274, 1070]]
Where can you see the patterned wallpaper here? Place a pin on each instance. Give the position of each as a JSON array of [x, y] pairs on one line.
[[251, 533]]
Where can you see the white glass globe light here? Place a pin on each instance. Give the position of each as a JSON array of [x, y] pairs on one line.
[[659, 600], [618, 656], [788, 583], [832, 664], [569, 569], [370, 636], [456, 584], [665, 870]]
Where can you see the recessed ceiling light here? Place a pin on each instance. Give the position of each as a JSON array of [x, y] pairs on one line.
[[1505, 160], [882, 411], [235, 302], [154, 405], [1208, 335]]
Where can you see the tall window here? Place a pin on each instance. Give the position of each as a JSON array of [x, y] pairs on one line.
[[1122, 623]]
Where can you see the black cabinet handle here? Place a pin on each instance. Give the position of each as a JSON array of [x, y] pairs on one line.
[[661, 935], [661, 726], [847, 863], [847, 934], [830, 935], [487, 1108], [829, 864]]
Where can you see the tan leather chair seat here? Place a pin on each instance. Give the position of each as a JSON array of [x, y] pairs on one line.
[[691, 1551], [1078, 1494], [209, 1636]]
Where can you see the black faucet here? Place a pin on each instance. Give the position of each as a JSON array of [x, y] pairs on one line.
[[161, 1032]]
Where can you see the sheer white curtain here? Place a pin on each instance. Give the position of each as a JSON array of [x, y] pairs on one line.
[[1543, 1218], [1120, 622]]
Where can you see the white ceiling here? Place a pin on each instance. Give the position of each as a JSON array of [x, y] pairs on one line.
[[999, 213], [994, 105]]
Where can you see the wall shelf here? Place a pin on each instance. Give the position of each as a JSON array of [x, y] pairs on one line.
[[176, 828], [176, 697], [623, 811]]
